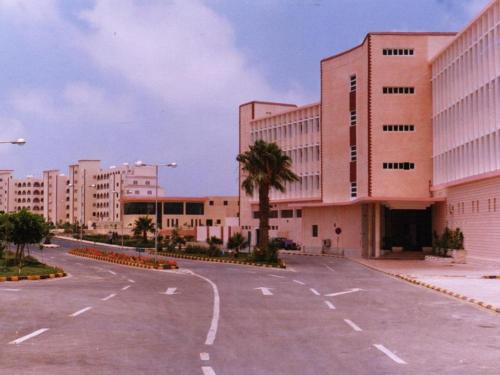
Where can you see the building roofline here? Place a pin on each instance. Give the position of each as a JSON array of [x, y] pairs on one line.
[[271, 103], [297, 108], [403, 33], [371, 199], [464, 29], [164, 199]]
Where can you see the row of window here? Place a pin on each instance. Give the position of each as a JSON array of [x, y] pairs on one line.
[[352, 83], [399, 128], [169, 208], [304, 154], [354, 189], [404, 165], [398, 51], [353, 118], [286, 131], [475, 207], [398, 90], [284, 214]]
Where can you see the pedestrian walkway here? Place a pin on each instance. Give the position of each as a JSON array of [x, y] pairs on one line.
[[465, 281]]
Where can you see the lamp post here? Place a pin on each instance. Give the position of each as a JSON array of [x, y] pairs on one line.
[[122, 204], [19, 142], [168, 165]]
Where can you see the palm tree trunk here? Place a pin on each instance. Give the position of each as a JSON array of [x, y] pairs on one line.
[[263, 216], [144, 236]]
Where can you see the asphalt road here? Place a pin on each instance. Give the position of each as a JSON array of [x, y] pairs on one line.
[[320, 316]]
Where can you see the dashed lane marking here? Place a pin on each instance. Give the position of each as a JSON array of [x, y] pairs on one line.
[[204, 356], [108, 297], [330, 268], [299, 282], [330, 305], [112, 272], [170, 291], [265, 291], [345, 292], [281, 277], [126, 287], [79, 312], [27, 337], [353, 325], [314, 291], [10, 289], [207, 370], [390, 354], [131, 281]]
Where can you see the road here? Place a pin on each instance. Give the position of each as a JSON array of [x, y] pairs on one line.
[[320, 316]]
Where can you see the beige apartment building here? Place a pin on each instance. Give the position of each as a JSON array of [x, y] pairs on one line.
[[185, 213], [19, 193], [403, 117]]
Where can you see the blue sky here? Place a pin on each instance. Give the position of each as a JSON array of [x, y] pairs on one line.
[[161, 81]]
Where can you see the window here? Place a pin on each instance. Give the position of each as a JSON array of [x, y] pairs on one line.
[[273, 214], [225, 203], [353, 83], [286, 214], [398, 128], [398, 90], [256, 214], [353, 118], [218, 221], [139, 208], [150, 192], [298, 213], [315, 230], [354, 189], [211, 203], [353, 153], [195, 208], [135, 182], [398, 51], [403, 165], [173, 208]]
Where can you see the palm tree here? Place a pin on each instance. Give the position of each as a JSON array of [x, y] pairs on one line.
[[266, 167], [142, 226]]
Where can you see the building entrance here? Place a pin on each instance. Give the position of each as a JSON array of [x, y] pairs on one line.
[[410, 229]]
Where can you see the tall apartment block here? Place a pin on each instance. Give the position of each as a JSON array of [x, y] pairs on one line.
[[403, 117]]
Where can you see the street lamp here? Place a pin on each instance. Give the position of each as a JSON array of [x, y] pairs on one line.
[[140, 163], [122, 204], [19, 142]]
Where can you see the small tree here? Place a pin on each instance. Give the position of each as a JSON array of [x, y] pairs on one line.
[[5, 231], [214, 246], [236, 242], [27, 228], [142, 227]]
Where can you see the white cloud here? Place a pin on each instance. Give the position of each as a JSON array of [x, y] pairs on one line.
[[78, 102], [181, 51]]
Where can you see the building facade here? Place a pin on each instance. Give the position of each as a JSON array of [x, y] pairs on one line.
[[407, 131], [466, 126]]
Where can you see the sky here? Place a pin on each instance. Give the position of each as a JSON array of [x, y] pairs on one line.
[[161, 80]]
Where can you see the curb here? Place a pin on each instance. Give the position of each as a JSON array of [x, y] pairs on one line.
[[33, 277], [131, 264], [491, 277], [312, 255], [216, 260], [433, 287], [449, 292]]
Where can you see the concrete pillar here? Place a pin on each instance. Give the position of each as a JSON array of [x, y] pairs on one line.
[[377, 230]]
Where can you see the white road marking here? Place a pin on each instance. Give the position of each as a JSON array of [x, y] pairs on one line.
[[80, 311], [330, 268], [345, 292], [265, 291], [111, 272], [281, 277], [214, 325], [330, 305], [314, 291], [82, 264], [10, 289], [207, 370], [170, 291], [299, 282], [390, 354], [27, 337], [353, 325], [126, 287], [291, 269], [131, 281], [108, 297], [204, 356]]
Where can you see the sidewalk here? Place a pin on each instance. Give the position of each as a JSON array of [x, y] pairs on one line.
[[463, 281]]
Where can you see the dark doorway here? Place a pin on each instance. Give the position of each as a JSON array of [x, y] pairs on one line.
[[411, 229]]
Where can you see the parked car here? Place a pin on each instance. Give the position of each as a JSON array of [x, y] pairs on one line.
[[287, 244]]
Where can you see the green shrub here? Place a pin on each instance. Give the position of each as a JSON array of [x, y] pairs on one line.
[[196, 249]]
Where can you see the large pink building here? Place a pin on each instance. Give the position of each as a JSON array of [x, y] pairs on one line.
[[365, 153]]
